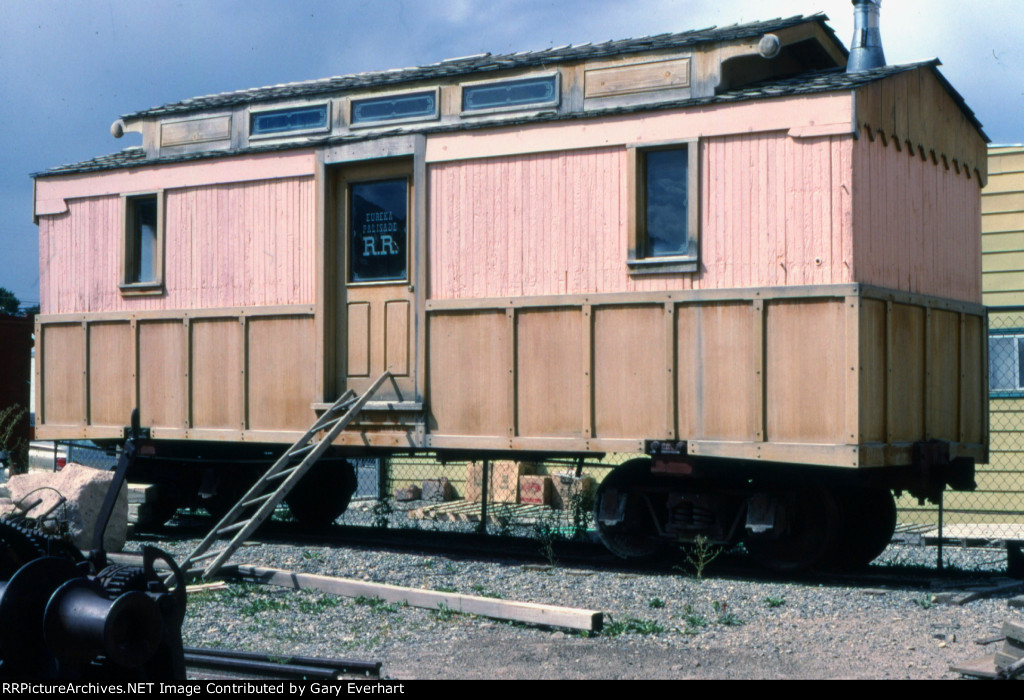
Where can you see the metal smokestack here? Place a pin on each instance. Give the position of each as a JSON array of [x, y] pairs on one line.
[[866, 52]]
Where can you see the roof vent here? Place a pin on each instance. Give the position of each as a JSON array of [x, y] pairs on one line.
[[866, 52]]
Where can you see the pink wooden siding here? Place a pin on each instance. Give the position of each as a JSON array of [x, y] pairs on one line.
[[917, 223], [774, 211], [243, 244]]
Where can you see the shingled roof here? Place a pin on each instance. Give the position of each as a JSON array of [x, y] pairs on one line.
[[804, 84], [482, 63]]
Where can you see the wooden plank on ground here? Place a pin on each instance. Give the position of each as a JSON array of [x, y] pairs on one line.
[[968, 596], [532, 613], [983, 667]]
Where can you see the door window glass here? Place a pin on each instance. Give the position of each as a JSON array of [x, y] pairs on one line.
[[378, 226]]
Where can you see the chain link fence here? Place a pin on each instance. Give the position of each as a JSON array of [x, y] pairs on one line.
[[995, 511]]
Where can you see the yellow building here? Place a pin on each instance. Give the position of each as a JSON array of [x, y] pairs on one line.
[[1000, 494]]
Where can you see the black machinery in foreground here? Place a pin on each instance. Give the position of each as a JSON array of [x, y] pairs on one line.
[[67, 615]]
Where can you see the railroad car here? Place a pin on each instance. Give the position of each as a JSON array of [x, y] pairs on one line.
[[718, 248]]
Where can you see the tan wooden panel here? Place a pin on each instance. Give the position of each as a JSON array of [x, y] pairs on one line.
[[63, 368], [217, 374], [549, 373], [872, 371], [469, 361], [396, 338], [906, 374], [974, 404], [359, 339], [162, 381], [805, 346], [943, 381], [689, 373], [638, 77], [631, 380], [111, 374], [717, 381], [281, 373], [195, 131]]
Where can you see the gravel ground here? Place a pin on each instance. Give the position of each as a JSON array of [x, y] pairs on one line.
[[730, 623]]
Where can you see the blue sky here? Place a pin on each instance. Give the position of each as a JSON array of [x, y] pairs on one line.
[[68, 68]]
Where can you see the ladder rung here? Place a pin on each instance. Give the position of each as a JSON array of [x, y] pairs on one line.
[[282, 474], [301, 450], [208, 555], [232, 528], [258, 499]]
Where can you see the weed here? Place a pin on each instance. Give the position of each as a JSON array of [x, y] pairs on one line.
[[243, 590], [382, 511], [725, 617], [582, 508], [924, 603], [378, 604], [445, 589], [260, 605], [772, 602], [547, 532], [730, 619], [316, 605], [444, 613], [631, 625], [479, 590], [701, 554], [310, 555], [656, 603], [694, 620]]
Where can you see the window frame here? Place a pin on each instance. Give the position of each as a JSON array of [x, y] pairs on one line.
[[290, 133], [637, 259], [376, 124], [533, 106], [130, 246], [1015, 334]]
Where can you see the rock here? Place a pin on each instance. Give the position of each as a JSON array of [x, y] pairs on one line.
[[85, 489]]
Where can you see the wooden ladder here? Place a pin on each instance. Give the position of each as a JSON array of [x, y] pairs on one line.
[[279, 480]]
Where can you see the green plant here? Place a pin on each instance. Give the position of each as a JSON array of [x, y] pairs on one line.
[[444, 613], [546, 533], [701, 554], [725, 616], [479, 590], [259, 605], [316, 605], [310, 555], [656, 603], [694, 620], [631, 625], [773, 602], [382, 511], [445, 589], [378, 604], [925, 603], [581, 506]]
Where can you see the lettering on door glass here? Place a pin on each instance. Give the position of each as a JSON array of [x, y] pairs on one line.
[[378, 226]]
